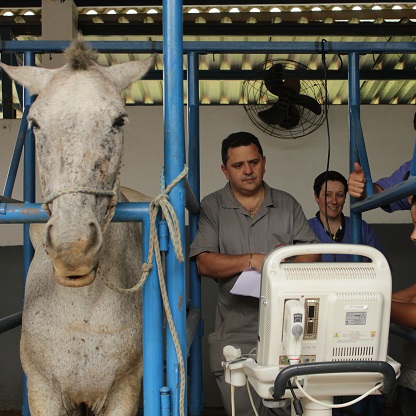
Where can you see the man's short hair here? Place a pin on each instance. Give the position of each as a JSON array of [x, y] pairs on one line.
[[241, 138], [330, 175]]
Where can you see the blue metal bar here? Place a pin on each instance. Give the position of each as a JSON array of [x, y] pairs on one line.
[[165, 401], [394, 193], [174, 164], [17, 153], [29, 195], [153, 365], [213, 46], [354, 102], [195, 359], [30, 212], [357, 132], [413, 165]]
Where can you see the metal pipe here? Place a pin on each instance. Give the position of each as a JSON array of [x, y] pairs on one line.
[[17, 154], [399, 191], [174, 158], [153, 366], [354, 92], [33, 213], [195, 357], [165, 401], [41, 46], [10, 322]]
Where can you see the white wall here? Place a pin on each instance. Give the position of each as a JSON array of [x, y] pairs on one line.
[[291, 165]]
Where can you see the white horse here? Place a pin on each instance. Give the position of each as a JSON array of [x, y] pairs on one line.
[[81, 341]]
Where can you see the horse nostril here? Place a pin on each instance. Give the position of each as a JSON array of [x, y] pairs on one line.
[[95, 237], [47, 242]]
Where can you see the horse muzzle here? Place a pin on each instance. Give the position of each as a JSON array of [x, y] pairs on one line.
[[74, 251]]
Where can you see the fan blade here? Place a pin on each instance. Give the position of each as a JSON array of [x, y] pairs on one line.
[[307, 102], [281, 83], [273, 115], [273, 80], [292, 118]]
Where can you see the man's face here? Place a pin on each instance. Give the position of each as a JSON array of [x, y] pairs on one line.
[[245, 169]]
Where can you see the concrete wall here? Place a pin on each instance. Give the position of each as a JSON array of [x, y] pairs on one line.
[[292, 165]]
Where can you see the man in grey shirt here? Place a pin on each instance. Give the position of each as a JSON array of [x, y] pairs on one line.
[[238, 225]]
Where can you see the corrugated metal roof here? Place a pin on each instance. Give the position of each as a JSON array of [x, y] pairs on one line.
[[386, 78]]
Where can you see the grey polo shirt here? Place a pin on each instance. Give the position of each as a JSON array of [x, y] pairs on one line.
[[226, 227]]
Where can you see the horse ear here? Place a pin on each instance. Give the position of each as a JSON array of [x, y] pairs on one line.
[[31, 77], [125, 74]]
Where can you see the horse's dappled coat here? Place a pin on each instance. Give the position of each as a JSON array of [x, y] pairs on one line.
[[81, 341]]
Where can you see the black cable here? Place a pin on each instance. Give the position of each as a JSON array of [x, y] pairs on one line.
[[326, 109], [297, 404]]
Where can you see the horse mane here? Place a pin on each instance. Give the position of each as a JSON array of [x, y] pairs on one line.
[[79, 56]]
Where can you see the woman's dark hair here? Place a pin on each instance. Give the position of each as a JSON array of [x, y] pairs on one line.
[[242, 138], [330, 175]]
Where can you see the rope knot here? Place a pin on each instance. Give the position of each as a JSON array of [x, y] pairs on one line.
[[146, 267], [160, 199]]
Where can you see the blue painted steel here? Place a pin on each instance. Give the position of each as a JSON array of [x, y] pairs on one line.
[[357, 132], [212, 46], [413, 166], [30, 212], [17, 153], [29, 195], [165, 401], [354, 101], [174, 165], [394, 193], [153, 365], [163, 235], [195, 358]]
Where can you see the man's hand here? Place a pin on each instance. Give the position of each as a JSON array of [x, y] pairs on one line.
[[356, 182]]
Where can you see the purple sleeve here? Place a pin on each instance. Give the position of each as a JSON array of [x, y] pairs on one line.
[[395, 178]]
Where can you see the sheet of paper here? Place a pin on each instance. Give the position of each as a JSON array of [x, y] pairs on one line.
[[248, 284]]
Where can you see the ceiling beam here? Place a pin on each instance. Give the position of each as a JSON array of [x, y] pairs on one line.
[[23, 4], [110, 26]]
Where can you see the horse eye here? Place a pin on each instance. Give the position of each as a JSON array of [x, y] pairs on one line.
[[34, 124], [119, 121]]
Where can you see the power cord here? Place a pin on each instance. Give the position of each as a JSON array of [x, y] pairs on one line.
[[336, 406], [297, 404]]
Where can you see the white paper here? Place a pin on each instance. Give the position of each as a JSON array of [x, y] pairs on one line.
[[248, 284]]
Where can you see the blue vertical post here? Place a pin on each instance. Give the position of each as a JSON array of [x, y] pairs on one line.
[[195, 363], [29, 195], [354, 101], [174, 156], [153, 357]]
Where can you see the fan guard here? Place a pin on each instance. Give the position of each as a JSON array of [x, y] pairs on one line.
[[258, 99]]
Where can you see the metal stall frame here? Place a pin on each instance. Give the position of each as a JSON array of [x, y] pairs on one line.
[[161, 399]]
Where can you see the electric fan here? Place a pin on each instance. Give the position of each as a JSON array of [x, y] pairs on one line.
[[282, 101]]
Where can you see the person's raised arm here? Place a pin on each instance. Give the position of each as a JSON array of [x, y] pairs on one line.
[[356, 183]]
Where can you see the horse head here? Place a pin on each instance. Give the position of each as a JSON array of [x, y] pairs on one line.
[[77, 120]]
